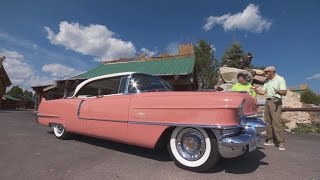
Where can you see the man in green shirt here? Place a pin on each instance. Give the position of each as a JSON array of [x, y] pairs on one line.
[[243, 85], [274, 88]]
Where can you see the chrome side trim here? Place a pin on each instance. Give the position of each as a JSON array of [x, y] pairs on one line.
[[218, 127], [196, 108], [47, 116], [78, 111], [163, 124], [184, 125], [98, 78], [108, 120]]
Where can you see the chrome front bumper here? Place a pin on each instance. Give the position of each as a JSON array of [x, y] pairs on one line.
[[235, 142]]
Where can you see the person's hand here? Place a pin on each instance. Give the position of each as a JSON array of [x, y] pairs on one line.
[[254, 88], [276, 91]]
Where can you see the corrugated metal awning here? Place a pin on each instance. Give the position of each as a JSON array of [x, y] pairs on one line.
[[160, 67]]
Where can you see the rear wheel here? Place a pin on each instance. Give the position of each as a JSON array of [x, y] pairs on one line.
[[60, 132], [193, 149]]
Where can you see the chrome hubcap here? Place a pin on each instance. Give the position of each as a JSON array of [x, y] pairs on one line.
[[190, 144], [59, 129]]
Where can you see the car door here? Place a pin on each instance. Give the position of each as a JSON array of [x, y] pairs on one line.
[[105, 109]]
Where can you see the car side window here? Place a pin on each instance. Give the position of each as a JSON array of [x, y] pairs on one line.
[[146, 83], [103, 87], [123, 84]]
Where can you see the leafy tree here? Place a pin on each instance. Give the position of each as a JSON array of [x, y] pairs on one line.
[[309, 97], [28, 94], [206, 65], [15, 90]]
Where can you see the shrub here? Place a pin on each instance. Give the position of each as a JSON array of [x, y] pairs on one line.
[[309, 97], [307, 129]]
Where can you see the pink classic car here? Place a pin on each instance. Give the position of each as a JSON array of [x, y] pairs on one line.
[[139, 109]]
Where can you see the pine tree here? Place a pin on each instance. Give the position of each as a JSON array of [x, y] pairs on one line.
[[232, 56], [206, 65]]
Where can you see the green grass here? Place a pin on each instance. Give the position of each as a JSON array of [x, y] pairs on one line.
[[307, 129]]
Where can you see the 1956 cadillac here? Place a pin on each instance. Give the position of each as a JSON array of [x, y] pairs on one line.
[[140, 109]]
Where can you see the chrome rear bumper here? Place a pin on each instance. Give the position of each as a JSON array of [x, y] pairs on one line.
[[244, 139]]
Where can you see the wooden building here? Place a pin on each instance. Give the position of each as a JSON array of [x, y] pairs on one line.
[[4, 83]]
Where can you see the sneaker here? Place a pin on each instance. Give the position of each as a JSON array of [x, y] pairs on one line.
[[269, 143], [281, 147]]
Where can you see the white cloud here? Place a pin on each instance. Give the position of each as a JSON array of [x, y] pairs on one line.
[[250, 20], [20, 42], [22, 74], [315, 76], [213, 48], [172, 48], [148, 52], [94, 40], [61, 71], [18, 70]]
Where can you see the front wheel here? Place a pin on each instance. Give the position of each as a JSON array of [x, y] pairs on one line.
[[193, 149], [60, 132]]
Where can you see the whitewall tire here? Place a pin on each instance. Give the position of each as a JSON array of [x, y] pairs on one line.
[[194, 149], [60, 132]]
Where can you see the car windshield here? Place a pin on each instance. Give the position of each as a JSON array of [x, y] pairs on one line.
[[146, 83]]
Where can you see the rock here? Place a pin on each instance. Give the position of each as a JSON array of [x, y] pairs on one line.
[[316, 121], [226, 86], [291, 125], [259, 79], [229, 75], [315, 116], [288, 130], [292, 100], [258, 71]]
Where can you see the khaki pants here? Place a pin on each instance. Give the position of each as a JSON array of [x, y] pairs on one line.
[[272, 115]]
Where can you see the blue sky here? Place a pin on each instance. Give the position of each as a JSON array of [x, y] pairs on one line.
[[47, 40]]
